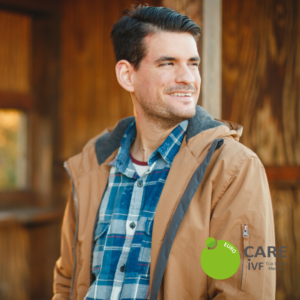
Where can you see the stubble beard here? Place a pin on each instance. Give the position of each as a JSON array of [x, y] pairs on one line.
[[162, 115]]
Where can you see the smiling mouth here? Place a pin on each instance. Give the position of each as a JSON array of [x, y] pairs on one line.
[[181, 94]]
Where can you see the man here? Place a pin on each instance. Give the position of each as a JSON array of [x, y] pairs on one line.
[[147, 194]]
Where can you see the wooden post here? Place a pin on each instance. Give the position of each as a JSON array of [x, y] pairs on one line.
[[212, 67]]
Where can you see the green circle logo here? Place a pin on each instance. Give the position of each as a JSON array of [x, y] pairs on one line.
[[220, 262]]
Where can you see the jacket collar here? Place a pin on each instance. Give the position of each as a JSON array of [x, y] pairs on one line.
[[200, 122], [111, 141]]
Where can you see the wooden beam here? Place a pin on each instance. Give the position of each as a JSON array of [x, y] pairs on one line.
[[284, 174], [31, 6], [17, 198], [16, 100], [32, 215]]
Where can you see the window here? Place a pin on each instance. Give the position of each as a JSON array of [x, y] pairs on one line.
[[28, 58], [13, 150], [15, 99]]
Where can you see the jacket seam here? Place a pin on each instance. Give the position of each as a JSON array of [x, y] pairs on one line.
[[231, 178], [75, 239]]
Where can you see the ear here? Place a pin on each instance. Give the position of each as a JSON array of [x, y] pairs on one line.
[[124, 71]]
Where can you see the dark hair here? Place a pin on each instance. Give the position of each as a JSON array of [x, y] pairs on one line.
[[141, 20]]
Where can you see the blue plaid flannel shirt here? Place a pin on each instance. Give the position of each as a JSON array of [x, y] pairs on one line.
[[121, 257]]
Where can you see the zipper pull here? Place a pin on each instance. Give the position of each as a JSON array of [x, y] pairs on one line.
[[245, 231]]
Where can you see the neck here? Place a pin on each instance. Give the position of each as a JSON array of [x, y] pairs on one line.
[[149, 137]]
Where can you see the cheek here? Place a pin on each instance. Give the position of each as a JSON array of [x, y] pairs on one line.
[[198, 78], [146, 86], [153, 82], [162, 80], [143, 84]]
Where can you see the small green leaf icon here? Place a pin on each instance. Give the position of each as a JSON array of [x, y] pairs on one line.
[[210, 242]]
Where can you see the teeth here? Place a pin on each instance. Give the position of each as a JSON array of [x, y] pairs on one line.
[[181, 94]]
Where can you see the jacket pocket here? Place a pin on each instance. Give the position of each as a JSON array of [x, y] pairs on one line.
[[144, 258], [245, 260], [100, 242]]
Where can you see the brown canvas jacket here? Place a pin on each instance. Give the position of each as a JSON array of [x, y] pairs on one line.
[[215, 186]]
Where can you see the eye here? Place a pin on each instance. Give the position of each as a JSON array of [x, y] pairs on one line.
[[166, 64], [195, 64]]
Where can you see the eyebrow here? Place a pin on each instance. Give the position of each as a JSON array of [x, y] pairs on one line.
[[195, 58], [170, 58]]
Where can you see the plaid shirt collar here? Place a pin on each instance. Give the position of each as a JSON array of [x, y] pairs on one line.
[[167, 150]]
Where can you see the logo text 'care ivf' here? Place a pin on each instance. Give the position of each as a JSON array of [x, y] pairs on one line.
[[220, 262]]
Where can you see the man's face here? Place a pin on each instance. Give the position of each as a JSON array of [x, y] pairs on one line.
[[167, 82]]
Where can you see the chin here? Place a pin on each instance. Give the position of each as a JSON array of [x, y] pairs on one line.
[[184, 112]]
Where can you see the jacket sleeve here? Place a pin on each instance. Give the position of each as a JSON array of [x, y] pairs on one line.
[[246, 201], [64, 266]]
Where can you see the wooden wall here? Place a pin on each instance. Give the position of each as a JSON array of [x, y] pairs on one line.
[[29, 235], [14, 275], [15, 52], [261, 91]]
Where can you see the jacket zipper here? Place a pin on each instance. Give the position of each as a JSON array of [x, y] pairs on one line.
[[245, 244], [76, 229], [245, 231]]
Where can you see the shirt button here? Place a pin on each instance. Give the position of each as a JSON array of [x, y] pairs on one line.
[[140, 183], [132, 225], [122, 269]]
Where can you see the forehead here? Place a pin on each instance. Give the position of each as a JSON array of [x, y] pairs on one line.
[[181, 45]]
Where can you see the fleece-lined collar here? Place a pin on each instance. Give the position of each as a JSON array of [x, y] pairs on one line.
[[108, 143]]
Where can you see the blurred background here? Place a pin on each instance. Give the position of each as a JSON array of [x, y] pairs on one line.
[[58, 89]]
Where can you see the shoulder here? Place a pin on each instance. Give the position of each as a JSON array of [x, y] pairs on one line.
[[83, 162], [236, 149], [86, 160], [99, 148], [235, 156], [237, 170]]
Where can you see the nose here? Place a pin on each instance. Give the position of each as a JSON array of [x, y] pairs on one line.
[[185, 75]]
